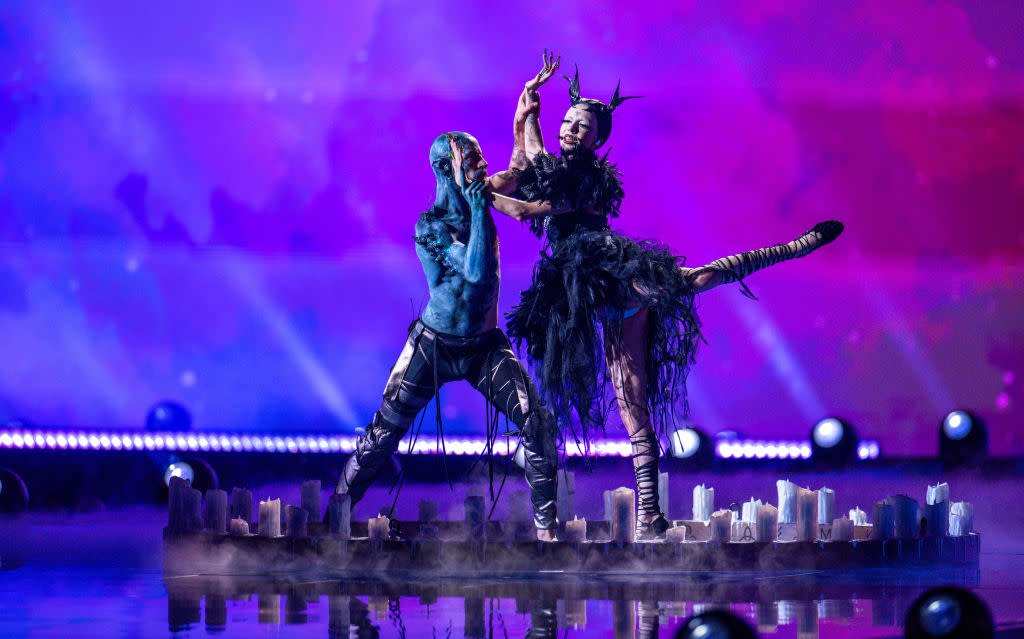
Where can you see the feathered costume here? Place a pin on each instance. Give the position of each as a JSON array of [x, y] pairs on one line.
[[590, 275]]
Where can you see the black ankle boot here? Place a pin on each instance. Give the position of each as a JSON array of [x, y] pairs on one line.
[[655, 529]]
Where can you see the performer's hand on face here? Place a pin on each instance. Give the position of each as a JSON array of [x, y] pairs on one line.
[[474, 194], [468, 163], [550, 66]]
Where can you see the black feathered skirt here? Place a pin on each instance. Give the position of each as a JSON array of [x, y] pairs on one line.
[[590, 279]]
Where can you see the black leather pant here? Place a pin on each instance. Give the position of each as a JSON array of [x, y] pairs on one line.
[[431, 359]]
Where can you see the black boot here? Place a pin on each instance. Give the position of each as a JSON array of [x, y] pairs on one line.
[[541, 458], [376, 446]]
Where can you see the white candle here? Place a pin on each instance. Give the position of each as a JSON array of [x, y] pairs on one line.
[[378, 528], [576, 531], [241, 504], [858, 517], [905, 521], [624, 524], [310, 500], [216, 515], [826, 505], [883, 521], [703, 503], [806, 514], [842, 529], [270, 518], [721, 525], [787, 501], [295, 521], [339, 516], [767, 523]]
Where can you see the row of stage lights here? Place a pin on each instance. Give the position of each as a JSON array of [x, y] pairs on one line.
[[683, 443], [832, 440]]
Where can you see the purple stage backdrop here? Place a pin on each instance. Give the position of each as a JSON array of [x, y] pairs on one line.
[[214, 202]]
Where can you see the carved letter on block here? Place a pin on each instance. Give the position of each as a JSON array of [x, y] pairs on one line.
[[787, 532], [861, 533], [697, 530]]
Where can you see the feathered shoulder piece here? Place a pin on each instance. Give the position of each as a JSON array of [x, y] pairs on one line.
[[579, 182]]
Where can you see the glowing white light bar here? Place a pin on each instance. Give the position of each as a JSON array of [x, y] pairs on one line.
[[749, 449]]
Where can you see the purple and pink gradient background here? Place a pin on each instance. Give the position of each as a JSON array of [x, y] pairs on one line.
[[214, 202]]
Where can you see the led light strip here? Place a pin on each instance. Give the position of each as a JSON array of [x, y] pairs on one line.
[[248, 442]]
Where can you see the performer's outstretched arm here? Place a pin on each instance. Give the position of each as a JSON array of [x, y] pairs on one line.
[[527, 138], [736, 267], [522, 210]]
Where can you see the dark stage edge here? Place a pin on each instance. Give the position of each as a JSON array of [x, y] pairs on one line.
[[193, 553]]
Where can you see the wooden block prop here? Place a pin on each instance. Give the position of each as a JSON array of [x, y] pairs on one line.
[[961, 518], [806, 515], [936, 511], [339, 516], [883, 521], [241, 505], [858, 517], [676, 535], [565, 495], [786, 532], [826, 505], [270, 518], [696, 530], [842, 529], [378, 528], [576, 531], [476, 530], [767, 523], [215, 517], [863, 533], [309, 500], [295, 521], [624, 523], [721, 525], [239, 527], [906, 524], [663, 493], [743, 531], [703, 503], [745, 528]]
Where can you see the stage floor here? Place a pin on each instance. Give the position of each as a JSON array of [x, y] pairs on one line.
[[100, 574]]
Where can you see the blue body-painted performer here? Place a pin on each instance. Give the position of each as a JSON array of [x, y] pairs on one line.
[[457, 336], [598, 293]]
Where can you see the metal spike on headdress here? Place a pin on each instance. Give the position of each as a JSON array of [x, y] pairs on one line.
[[616, 100], [574, 87]]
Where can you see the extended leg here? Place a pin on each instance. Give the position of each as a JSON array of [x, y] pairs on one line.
[[736, 267], [505, 383], [408, 390], [627, 359]]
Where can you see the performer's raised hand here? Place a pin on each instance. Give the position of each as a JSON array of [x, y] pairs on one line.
[[550, 66], [475, 196]]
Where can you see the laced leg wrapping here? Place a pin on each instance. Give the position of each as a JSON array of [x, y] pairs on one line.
[[736, 267], [645, 465], [376, 446]]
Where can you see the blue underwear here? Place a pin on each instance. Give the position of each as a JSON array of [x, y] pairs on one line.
[[612, 314]]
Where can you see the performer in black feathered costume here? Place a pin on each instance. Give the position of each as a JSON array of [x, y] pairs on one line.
[[600, 295]]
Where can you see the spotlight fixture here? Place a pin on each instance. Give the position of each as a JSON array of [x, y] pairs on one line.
[[197, 472], [168, 415], [715, 624], [834, 441], [963, 439], [13, 492], [948, 613], [693, 445]]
